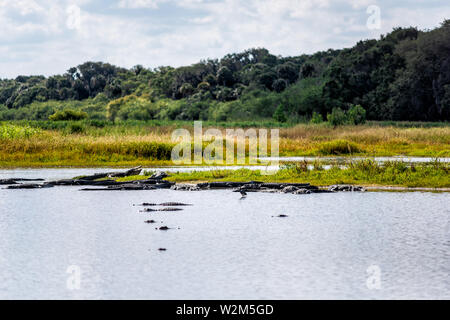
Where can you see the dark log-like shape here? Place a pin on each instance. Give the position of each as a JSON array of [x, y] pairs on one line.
[[4, 182], [280, 186], [221, 185], [30, 186], [174, 204], [16, 180], [254, 186], [93, 177], [159, 175], [96, 176], [348, 188], [122, 187], [81, 182], [132, 172]]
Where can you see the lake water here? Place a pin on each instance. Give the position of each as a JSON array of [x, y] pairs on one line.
[[225, 248]]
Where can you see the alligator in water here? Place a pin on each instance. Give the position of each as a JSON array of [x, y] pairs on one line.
[[29, 186], [161, 210], [165, 204], [174, 204]]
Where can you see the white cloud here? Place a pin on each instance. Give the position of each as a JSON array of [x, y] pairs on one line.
[[135, 4], [49, 36]]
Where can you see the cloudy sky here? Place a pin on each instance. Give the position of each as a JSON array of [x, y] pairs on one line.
[[49, 36]]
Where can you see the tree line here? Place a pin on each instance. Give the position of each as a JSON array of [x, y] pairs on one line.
[[404, 75]]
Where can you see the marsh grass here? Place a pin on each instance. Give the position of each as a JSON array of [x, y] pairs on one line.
[[10, 131], [100, 143], [366, 172], [339, 147]]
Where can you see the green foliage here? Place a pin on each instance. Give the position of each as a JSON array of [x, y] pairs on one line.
[[356, 115], [279, 85], [68, 115], [339, 147], [9, 131], [337, 117], [76, 128], [279, 114], [316, 118], [401, 76], [364, 172]]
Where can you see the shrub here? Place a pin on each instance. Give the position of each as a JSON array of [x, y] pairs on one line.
[[279, 114], [337, 117], [203, 86], [68, 115], [279, 85], [76, 128], [9, 131], [337, 147], [316, 118], [356, 115]]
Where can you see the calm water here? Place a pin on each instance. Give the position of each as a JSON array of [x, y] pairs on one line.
[[226, 248]]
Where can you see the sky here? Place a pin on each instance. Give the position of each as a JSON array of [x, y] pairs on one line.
[[49, 36]]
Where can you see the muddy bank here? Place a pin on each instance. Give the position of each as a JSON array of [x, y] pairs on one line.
[[107, 181]]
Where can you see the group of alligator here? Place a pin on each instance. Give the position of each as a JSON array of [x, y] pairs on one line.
[[107, 182], [167, 206]]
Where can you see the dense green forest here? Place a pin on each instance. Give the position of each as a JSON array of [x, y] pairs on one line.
[[404, 75]]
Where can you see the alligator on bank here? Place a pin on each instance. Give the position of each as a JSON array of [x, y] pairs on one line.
[[131, 172], [10, 181], [105, 182], [29, 186]]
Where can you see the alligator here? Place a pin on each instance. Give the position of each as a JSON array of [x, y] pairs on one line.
[[159, 175], [161, 210], [16, 180], [149, 210], [347, 188], [29, 186], [174, 204], [170, 209], [131, 172], [185, 187]]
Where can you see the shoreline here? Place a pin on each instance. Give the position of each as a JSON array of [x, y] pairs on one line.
[[138, 179]]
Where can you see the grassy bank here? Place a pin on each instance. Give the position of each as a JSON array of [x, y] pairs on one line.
[[368, 173], [51, 144]]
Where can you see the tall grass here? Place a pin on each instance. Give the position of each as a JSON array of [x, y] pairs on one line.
[[339, 147], [55, 143], [9, 131], [365, 172]]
